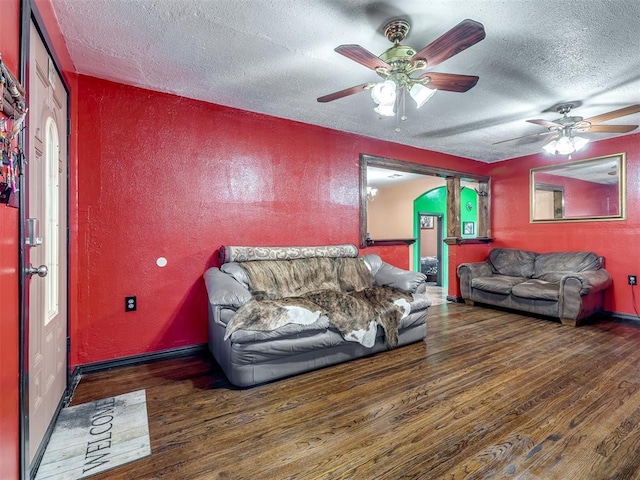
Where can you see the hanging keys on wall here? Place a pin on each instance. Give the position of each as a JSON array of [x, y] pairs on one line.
[[5, 163], [12, 115]]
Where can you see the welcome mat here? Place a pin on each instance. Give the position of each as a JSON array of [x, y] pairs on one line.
[[97, 436]]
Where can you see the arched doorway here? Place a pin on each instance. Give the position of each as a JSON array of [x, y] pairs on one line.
[[429, 225]]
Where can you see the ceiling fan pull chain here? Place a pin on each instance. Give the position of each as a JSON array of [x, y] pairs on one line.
[[400, 109]]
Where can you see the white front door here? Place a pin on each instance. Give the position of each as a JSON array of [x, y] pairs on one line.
[[46, 193]]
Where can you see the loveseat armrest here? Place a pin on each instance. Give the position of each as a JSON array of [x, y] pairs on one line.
[[405, 280], [389, 276], [224, 290], [585, 282], [469, 271]]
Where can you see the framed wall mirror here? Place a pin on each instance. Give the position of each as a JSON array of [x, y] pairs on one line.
[[580, 191]]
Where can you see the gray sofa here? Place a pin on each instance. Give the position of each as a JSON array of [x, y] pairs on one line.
[[565, 285], [250, 357]]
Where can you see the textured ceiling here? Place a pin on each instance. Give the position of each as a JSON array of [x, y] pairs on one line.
[[277, 57]]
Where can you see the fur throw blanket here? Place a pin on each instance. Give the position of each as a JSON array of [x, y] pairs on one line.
[[273, 279], [300, 291]]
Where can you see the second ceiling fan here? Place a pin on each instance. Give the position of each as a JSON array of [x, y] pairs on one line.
[[398, 63], [563, 139]]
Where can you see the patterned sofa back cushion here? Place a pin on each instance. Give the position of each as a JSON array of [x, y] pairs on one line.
[[512, 262], [553, 266], [230, 253]]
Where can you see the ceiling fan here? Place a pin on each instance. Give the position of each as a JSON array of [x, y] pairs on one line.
[[399, 62], [563, 140]]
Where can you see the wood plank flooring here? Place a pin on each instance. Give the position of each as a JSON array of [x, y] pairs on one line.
[[491, 395]]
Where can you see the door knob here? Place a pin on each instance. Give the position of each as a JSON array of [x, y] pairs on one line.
[[41, 271]]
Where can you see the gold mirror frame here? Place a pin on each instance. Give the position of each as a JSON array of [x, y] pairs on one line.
[[580, 191]]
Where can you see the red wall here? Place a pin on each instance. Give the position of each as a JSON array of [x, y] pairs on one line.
[[9, 341], [9, 360], [464, 254], [161, 175], [615, 240]]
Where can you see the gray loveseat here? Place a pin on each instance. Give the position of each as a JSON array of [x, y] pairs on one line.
[[306, 342], [565, 285]]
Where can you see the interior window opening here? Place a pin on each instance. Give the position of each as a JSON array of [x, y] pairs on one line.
[[408, 203]]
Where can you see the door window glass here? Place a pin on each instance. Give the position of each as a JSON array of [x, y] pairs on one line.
[[52, 218]]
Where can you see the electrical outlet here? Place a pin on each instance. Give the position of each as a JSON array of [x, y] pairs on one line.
[[130, 304], [632, 279]]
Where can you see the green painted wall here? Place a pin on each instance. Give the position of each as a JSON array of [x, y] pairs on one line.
[[469, 211], [434, 202]]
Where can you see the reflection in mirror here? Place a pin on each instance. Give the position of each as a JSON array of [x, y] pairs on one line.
[[585, 190]]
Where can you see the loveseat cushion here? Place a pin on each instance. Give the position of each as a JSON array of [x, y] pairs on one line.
[[561, 263], [512, 262], [537, 290], [496, 283]]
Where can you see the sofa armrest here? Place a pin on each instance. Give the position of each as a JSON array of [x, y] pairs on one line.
[[469, 271], [577, 290], [405, 280], [224, 290], [586, 282]]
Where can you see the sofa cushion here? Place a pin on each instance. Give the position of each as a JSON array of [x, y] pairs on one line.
[[554, 277], [285, 331], [537, 290], [496, 283], [232, 253], [322, 324], [512, 262], [565, 262]]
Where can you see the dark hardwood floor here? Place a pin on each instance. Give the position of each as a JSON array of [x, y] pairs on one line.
[[491, 395]]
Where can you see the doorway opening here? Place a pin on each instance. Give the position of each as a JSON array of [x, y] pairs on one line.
[[429, 246]]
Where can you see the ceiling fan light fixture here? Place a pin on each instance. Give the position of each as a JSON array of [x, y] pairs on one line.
[[421, 94], [579, 142], [550, 147], [384, 93], [565, 145], [385, 110]]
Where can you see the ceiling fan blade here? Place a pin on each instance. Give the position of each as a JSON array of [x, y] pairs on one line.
[[450, 82], [609, 128], [346, 92], [546, 123], [539, 134], [462, 36], [615, 114], [362, 56]]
